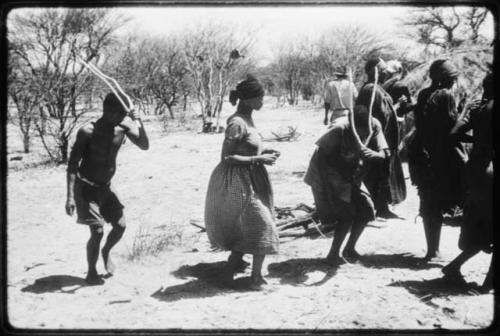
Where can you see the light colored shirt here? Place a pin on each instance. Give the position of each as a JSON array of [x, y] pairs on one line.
[[337, 95]]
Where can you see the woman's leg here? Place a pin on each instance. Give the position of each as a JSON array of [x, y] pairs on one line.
[[257, 279]]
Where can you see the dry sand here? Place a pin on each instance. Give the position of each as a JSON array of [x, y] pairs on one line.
[[163, 189]]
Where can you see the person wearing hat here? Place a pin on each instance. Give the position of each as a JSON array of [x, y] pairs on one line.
[[336, 96], [436, 162], [239, 201], [385, 181], [476, 232]]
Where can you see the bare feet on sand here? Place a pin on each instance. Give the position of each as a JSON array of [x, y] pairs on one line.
[[94, 279], [108, 263]]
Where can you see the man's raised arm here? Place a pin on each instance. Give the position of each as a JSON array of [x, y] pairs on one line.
[[134, 128]]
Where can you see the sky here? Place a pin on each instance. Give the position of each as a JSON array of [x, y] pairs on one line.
[[275, 24]]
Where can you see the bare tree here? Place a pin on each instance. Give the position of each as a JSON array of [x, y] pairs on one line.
[[26, 100], [475, 18], [213, 56], [48, 42], [445, 27], [350, 46], [153, 70]]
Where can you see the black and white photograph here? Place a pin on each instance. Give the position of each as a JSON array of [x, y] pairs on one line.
[[257, 168]]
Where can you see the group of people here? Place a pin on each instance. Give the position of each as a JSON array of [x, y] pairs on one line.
[[360, 146]]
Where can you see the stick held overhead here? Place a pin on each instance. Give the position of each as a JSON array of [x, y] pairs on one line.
[[111, 83]]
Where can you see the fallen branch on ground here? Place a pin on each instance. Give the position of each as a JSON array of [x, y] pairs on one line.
[[291, 135]]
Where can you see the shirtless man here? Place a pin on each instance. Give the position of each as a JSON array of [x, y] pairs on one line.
[[92, 164]]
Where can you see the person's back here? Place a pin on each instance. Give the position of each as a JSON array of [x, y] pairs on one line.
[[338, 96]]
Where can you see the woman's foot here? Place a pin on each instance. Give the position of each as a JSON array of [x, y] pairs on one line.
[[351, 255], [257, 282], [335, 261], [236, 263]]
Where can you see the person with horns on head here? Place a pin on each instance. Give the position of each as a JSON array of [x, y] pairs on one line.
[[385, 181], [335, 174], [436, 162], [239, 203]]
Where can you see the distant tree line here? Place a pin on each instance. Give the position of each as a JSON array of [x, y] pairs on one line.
[[51, 90]]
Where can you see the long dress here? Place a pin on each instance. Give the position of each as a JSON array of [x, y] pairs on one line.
[[239, 202]]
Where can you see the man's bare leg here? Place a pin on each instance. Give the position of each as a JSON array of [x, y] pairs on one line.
[[334, 258], [350, 248], [432, 228], [114, 237], [96, 234]]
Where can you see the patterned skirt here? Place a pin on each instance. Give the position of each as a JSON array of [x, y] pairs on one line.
[[239, 210]]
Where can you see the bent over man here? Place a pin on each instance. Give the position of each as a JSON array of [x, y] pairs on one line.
[[335, 173], [91, 166]]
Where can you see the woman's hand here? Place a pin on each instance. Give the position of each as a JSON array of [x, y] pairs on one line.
[[271, 151], [267, 159]]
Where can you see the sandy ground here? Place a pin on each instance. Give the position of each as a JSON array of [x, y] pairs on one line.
[[163, 189]]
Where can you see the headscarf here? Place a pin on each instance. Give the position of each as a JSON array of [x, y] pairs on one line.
[[441, 70], [247, 89]]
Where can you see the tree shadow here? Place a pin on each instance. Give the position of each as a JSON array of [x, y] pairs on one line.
[[56, 284], [426, 290], [402, 260], [296, 271], [210, 281]]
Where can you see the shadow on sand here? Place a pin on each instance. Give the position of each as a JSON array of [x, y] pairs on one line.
[[56, 284], [295, 271], [426, 290], [402, 260], [210, 281]]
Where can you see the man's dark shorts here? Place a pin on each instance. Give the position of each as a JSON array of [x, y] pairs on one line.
[[96, 205]]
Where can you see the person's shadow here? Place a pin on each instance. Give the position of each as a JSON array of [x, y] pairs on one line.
[[56, 284], [209, 281], [426, 290], [401, 260], [297, 271]]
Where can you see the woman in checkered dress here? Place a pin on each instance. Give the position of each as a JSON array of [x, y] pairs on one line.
[[239, 203]]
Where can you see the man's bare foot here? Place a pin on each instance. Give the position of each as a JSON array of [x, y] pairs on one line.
[[351, 255], [93, 279], [108, 263], [386, 214], [335, 261], [433, 256]]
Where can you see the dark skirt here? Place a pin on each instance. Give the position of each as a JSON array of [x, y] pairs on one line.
[[477, 227]]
